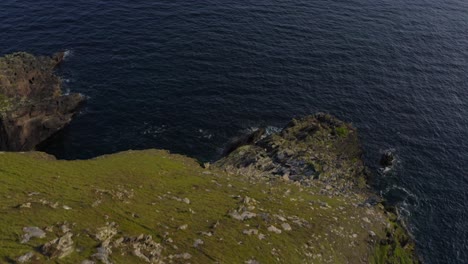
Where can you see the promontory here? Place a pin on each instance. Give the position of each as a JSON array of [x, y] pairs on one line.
[[297, 196]]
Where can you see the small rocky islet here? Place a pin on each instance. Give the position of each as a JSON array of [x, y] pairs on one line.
[[296, 196]]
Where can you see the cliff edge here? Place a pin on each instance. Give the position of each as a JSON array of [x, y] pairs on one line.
[[297, 196], [32, 106]]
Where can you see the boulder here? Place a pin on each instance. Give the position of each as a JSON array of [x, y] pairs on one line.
[[387, 159]]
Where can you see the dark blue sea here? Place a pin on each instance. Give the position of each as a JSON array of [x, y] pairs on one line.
[[189, 75]]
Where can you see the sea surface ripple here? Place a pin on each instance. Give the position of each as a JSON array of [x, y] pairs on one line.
[[188, 75]]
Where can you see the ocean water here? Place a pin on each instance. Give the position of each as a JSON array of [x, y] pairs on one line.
[[189, 75]]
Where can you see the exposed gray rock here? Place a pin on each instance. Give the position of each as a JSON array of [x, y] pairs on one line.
[[185, 256], [250, 232], [183, 227], [102, 255], [25, 258], [274, 229], [242, 216], [32, 232], [286, 227], [198, 242]]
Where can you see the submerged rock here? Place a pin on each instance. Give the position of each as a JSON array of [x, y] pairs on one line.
[[388, 159], [32, 106]]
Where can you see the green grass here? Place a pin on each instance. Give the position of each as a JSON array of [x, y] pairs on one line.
[[149, 181], [5, 103], [342, 131]]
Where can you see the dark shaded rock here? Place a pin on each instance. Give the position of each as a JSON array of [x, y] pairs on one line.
[[32, 106], [247, 139], [387, 159]]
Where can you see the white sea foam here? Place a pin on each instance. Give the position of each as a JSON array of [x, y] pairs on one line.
[[153, 131], [205, 134], [67, 53]]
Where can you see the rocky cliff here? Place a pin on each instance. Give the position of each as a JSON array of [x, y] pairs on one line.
[[32, 106], [297, 196]]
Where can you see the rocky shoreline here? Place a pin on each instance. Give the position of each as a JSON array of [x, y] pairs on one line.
[[322, 152], [32, 105], [296, 196]]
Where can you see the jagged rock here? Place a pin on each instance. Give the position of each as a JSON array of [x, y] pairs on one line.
[[32, 232], [59, 247], [317, 147], [32, 107], [25, 258], [106, 233], [143, 247]]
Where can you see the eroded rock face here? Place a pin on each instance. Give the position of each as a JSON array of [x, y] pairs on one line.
[[317, 147], [32, 106]]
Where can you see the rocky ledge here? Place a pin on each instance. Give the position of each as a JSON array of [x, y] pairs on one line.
[[32, 106], [297, 196]]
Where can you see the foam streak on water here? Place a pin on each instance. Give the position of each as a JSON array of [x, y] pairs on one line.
[[189, 75]]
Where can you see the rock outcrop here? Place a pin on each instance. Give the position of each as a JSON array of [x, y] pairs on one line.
[[323, 152], [317, 147], [32, 106]]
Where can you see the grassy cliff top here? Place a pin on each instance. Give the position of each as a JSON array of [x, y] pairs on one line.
[[155, 207]]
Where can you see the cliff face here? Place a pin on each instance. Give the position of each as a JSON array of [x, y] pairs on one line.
[[298, 196], [32, 106]]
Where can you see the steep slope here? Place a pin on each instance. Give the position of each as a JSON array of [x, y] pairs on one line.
[[152, 206]]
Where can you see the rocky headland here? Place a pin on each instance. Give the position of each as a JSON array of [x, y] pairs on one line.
[[297, 196], [32, 106]]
